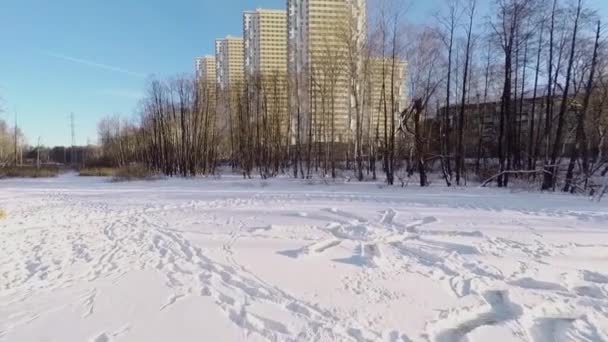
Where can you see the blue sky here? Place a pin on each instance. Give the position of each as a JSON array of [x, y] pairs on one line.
[[92, 57]]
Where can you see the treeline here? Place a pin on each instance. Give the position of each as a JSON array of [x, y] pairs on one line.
[[12, 142], [521, 96], [15, 151], [176, 133]]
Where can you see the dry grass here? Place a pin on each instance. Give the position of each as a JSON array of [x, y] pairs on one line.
[[97, 172], [133, 172], [29, 172], [2, 214]]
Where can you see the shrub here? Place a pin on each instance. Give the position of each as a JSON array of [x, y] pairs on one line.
[[133, 172], [29, 172], [97, 172]]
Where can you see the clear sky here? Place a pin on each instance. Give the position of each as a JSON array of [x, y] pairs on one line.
[[92, 57]]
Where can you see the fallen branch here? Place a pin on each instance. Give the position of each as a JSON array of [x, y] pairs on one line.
[[483, 185]]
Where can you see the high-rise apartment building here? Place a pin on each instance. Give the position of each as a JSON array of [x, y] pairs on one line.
[[198, 63], [265, 39], [205, 69], [229, 58], [382, 73], [322, 36]]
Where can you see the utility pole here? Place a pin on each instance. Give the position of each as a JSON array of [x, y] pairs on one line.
[[73, 150], [16, 137], [38, 154], [86, 152]]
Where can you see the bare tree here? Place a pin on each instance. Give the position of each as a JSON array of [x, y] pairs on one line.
[[423, 56], [510, 15], [580, 146], [532, 145], [551, 170], [460, 156], [449, 22]]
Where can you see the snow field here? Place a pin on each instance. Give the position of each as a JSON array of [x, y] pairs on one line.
[[279, 260]]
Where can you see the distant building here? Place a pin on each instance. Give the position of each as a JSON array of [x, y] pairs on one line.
[[265, 40], [319, 35], [483, 120], [381, 76], [229, 58], [198, 62], [205, 69]]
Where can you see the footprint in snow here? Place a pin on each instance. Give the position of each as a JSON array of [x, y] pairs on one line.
[[594, 277], [103, 337]]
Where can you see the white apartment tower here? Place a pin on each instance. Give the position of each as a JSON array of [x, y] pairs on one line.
[[320, 35]]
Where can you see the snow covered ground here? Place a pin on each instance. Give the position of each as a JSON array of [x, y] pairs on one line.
[[83, 259]]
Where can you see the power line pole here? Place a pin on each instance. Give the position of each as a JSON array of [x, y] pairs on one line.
[[86, 152], [73, 150], [16, 137], [38, 154]]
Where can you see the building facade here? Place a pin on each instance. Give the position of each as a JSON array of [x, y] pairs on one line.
[[265, 42], [229, 61], [382, 74], [229, 58], [205, 69], [322, 36]]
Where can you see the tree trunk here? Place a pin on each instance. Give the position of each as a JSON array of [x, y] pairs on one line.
[[550, 179], [580, 148]]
